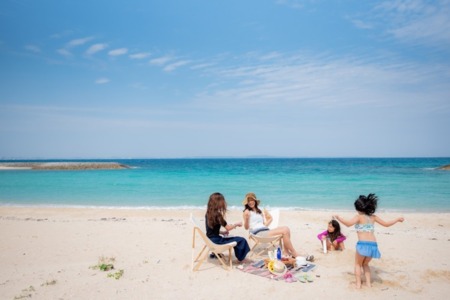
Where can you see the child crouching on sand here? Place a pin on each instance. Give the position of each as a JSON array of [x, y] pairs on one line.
[[366, 247], [333, 236]]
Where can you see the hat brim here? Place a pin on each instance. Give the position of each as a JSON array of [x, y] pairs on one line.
[[279, 273], [245, 202]]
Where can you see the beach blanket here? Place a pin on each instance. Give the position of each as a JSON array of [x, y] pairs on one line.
[[300, 274]]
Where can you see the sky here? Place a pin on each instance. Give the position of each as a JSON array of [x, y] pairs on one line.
[[201, 78]]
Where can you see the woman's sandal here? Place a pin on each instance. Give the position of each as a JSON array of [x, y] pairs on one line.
[[288, 277], [308, 277], [300, 277], [304, 277]]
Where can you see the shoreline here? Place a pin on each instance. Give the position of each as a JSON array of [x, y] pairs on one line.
[[203, 208]]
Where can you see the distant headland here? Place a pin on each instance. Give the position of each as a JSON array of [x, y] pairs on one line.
[[446, 167], [62, 166]]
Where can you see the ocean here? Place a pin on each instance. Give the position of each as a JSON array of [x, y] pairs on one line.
[[402, 184]]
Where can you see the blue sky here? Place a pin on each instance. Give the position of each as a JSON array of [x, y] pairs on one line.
[[196, 78]]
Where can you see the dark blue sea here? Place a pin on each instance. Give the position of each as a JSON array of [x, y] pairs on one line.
[[402, 184]]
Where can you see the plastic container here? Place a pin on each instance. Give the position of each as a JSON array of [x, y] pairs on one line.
[[279, 253]]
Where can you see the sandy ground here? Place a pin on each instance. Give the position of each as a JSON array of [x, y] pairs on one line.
[[52, 253]]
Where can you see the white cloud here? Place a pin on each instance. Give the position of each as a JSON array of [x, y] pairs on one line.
[[61, 34], [117, 52], [202, 66], [78, 42], [102, 80], [96, 48], [64, 52], [317, 81], [140, 55], [175, 65], [416, 21], [33, 48], [270, 56], [429, 29], [362, 24], [161, 60]]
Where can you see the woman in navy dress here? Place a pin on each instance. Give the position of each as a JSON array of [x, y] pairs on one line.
[[215, 219]]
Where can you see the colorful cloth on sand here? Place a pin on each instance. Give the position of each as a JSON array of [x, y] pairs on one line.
[[289, 276]]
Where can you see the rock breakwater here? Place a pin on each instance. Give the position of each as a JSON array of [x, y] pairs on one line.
[[63, 165]]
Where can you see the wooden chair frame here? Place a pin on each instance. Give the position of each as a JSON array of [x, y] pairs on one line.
[[268, 242], [210, 247]]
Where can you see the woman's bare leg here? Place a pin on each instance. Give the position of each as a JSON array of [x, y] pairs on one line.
[[286, 233]]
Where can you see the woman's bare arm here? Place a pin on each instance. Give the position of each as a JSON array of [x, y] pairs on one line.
[[267, 218], [246, 216]]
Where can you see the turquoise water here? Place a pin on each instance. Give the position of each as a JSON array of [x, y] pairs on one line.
[[406, 184]]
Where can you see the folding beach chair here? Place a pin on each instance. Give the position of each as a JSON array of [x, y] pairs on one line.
[[216, 249], [267, 242]]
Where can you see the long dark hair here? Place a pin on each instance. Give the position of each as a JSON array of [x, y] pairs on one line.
[[256, 208], [367, 205], [216, 210], [337, 230]]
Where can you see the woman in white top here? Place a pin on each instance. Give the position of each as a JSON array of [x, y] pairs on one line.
[[257, 222]]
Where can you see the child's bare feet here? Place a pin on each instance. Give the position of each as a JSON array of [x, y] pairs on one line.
[[358, 282]]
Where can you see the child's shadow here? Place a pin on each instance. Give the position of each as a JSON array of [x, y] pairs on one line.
[[379, 278], [389, 278]]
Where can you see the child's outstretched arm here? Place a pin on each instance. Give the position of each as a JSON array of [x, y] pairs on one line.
[[349, 222], [388, 223]]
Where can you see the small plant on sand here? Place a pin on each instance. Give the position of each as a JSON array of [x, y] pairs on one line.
[[51, 282], [104, 264], [26, 293], [116, 275]]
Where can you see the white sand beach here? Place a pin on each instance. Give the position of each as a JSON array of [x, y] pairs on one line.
[[50, 253]]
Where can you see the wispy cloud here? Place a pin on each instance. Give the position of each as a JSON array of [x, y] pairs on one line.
[[362, 24], [270, 56], [96, 48], [33, 48], [414, 21], [64, 52], [161, 60], [118, 52], [78, 42], [173, 66], [200, 66], [61, 34], [140, 55], [326, 82], [102, 80]]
